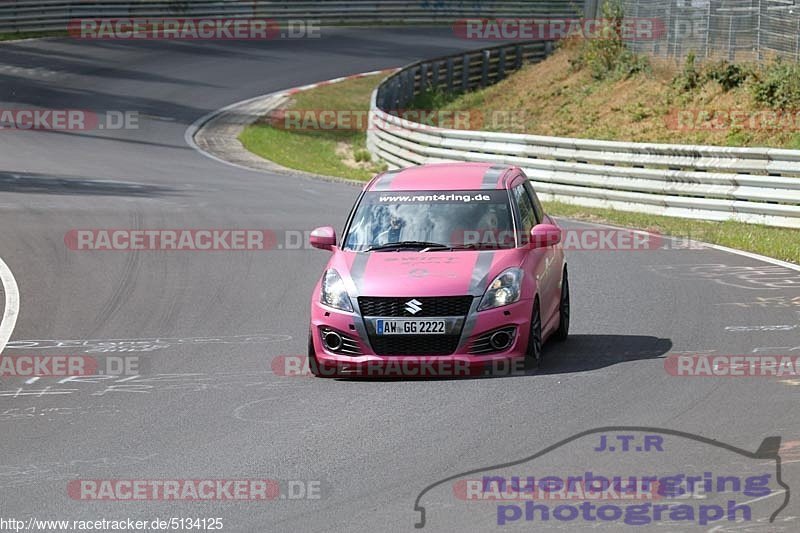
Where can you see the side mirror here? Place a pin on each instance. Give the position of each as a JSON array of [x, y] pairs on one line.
[[323, 238], [544, 235]]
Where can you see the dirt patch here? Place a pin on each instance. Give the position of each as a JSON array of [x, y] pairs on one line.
[[347, 154]]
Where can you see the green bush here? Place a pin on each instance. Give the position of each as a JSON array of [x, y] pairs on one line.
[[606, 55], [689, 77], [777, 85], [432, 99], [729, 75], [362, 156]]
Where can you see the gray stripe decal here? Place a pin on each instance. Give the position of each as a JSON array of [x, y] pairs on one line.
[[492, 175], [385, 181], [358, 322], [480, 280], [353, 283], [357, 274], [480, 273]]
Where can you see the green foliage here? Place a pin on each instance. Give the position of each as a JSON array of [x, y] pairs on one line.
[[777, 85], [606, 55], [689, 78], [729, 75], [362, 155], [432, 99]]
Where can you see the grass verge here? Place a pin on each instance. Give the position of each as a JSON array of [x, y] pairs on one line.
[[336, 150], [32, 35], [780, 243]]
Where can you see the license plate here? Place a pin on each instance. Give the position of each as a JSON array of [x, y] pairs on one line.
[[411, 327]]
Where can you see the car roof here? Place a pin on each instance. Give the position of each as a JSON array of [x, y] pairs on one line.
[[444, 177]]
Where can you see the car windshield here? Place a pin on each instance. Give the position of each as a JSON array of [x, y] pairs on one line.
[[425, 219]]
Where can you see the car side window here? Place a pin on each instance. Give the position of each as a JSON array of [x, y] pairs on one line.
[[525, 206], [537, 205]]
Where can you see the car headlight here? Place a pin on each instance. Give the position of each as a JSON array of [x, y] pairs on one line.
[[333, 293], [504, 290]]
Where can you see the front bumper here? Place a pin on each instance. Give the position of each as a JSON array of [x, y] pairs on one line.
[[363, 361]]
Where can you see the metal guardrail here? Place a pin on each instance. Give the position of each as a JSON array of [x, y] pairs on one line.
[[756, 185], [20, 16]]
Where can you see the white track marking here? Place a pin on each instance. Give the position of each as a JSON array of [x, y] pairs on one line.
[[11, 309]]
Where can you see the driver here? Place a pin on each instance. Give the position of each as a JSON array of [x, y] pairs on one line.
[[393, 232]]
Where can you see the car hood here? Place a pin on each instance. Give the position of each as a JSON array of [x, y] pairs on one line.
[[432, 273]]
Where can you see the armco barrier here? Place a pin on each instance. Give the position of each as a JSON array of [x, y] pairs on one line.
[[756, 185], [20, 16]]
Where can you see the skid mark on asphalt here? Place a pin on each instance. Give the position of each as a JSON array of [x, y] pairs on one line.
[[124, 288]]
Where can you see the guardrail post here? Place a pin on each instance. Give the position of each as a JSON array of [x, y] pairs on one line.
[[501, 65], [435, 74], [517, 57], [449, 74], [485, 68], [465, 73], [393, 94], [412, 73], [423, 77]]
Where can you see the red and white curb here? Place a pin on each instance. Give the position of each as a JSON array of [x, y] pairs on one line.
[[11, 309], [216, 134]]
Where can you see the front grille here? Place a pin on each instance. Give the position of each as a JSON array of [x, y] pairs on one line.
[[430, 306], [414, 344]]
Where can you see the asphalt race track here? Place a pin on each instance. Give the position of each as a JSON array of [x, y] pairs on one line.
[[206, 327]]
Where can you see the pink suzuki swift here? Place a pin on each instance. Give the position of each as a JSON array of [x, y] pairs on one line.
[[442, 269]]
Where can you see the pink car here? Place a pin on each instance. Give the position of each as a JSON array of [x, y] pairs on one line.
[[442, 270]]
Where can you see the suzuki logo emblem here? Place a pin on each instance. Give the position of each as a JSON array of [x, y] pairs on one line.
[[413, 306]]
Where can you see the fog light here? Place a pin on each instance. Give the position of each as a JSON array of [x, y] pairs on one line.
[[332, 340], [500, 340]]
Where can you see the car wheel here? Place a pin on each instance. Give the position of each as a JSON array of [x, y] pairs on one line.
[[533, 355], [563, 310], [313, 365]]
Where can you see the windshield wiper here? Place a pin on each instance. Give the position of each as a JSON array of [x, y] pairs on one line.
[[407, 244], [481, 246]]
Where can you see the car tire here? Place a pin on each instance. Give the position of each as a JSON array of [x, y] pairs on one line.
[[562, 332], [533, 354]]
